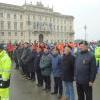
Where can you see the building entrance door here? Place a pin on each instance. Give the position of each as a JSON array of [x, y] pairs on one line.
[[41, 38]]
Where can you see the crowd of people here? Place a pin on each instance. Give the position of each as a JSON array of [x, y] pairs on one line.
[[66, 62]]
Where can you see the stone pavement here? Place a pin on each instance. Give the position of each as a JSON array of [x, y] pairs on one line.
[[22, 89]]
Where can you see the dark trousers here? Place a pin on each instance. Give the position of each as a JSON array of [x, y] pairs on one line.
[[58, 88], [39, 77], [98, 64], [17, 64], [25, 70], [84, 92], [10, 55], [32, 76], [47, 81]]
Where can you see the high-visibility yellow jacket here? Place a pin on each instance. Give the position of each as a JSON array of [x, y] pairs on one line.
[[5, 66], [97, 53]]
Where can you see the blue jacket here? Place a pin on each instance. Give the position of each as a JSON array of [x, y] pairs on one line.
[[56, 65], [85, 68]]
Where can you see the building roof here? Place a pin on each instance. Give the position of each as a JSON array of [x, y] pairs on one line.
[[32, 8]]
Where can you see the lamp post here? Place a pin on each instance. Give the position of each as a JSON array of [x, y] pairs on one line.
[[85, 28]]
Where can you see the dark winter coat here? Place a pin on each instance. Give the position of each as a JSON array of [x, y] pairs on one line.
[[25, 54], [85, 68], [30, 61], [67, 65], [45, 65], [37, 61]]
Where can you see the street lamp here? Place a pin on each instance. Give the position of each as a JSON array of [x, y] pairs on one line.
[[85, 28]]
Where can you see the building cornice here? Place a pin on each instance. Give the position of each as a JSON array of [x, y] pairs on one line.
[[30, 9]]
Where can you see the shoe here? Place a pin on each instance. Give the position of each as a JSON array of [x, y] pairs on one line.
[[59, 96], [33, 80], [48, 90], [39, 85], [29, 78], [53, 93]]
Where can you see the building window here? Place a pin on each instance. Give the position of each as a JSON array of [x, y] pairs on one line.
[[21, 33], [58, 28], [2, 33], [61, 28], [65, 28], [15, 16], [65, 21], [9, 25], [8, 16], [1, 15], [50, 19], [34, 25], [70, 28], [21, 16], [2, 25], [58, 20], [45, 18], [21, 25], [40, 18], [54, 27], [15, 33], [53, 19], [9, 33], [28, 17], [33, 17], [15, 25]]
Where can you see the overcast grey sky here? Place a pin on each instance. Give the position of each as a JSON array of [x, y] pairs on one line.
[[85, 12]]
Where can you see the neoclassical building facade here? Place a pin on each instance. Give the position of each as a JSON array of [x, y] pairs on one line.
[[34, 23]]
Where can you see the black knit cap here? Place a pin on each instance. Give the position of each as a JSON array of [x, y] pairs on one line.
[[1, 46], [84, 42]]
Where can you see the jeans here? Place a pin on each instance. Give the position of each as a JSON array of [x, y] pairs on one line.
[[69, 92]]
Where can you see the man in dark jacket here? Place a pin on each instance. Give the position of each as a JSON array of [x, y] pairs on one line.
[[15, 57], [19, 54], [67, 65], [37, 67], [24, 59], [85, 72], [29, 61]]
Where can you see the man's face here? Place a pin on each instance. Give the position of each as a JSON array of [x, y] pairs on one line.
[[55, 51], [25, 45], [45, 50], [67, 50], [83, 47], [38, 50]]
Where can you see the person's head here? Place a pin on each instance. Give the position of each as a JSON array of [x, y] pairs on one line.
[[67, 50], [1, 48], [38, 49], [55, 51], [83, 46], [34, 47], [25, 44], [46, 50]]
